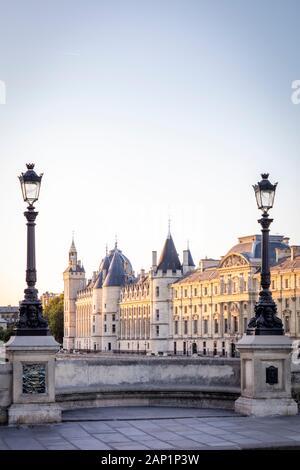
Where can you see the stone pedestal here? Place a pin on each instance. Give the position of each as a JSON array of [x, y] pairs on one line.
[[265, 376], [33, 390]]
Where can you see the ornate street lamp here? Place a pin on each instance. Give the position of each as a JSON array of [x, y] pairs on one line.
[[31, 321], [265, 321]]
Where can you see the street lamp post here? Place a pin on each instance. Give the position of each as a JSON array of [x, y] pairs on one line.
[[265, 321], [31, 321]]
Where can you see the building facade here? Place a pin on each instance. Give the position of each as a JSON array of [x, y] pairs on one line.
[[176, 308], [8, 316]]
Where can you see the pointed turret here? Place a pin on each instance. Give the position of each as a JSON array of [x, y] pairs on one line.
[[73, 255], [116, 274], [103, 270], [188, 262], [169, 257]]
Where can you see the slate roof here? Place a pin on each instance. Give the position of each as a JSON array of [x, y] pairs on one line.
[[252, 249], [116, 274], [104, 265], [99, 281], [190, 259], [169, 257], [287, 265], [198, 276]]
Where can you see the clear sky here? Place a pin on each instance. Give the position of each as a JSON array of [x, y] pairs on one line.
[[137, 109]]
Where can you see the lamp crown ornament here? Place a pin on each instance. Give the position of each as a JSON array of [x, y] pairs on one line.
[[30, 166]]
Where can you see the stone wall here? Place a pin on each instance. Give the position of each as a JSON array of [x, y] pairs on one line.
[[171, 381], [296, 381], [5, 390]]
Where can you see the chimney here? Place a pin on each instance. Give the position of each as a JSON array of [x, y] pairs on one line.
[[282, 253], [295, 251], [154, 259], [142, 273], [185, 263]]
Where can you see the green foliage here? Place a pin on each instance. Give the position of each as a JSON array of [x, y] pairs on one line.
[[54, 314], [6, 334]]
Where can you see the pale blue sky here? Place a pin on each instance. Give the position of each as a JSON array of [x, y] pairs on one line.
[[137, 109]]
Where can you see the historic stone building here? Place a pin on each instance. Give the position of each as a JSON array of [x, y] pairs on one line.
[[176, 308]]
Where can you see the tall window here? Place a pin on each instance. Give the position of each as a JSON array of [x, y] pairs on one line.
[[216, 290], [195, 292], [235, 324], [195, 323], [286, 283], [157, 315], [185, 292], [195, 308], [185, 309], [157, 291], [287, 303], [185, 327], [114, 328], [205, 290], [205, 308], [287, 324], [157, 330], [105, 329], [225, 325], [176, 310], [176, 327], [216, 323], [205, 326], [113, 317], [93, 328]]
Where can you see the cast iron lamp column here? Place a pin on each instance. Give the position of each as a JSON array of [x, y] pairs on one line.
[[31, 321], [265, 321]]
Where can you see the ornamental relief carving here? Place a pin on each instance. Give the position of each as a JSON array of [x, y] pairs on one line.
[[234, 260]]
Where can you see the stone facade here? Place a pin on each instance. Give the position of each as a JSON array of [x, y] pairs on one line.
[[176, 308]]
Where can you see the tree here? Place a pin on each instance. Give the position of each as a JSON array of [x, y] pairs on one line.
[[54, 314], [6, 334]]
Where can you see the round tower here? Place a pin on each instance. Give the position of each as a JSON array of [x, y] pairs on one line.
[[163, 275]]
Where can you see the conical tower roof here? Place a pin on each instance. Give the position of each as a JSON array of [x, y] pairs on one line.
[[72, 247], [190, 259], [169, 258], [116, 274]]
